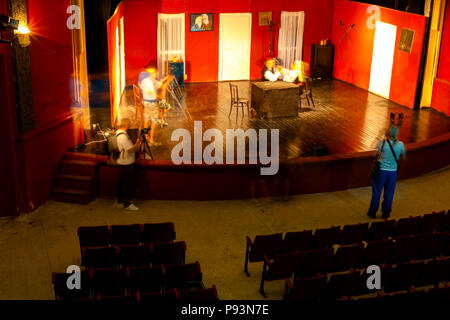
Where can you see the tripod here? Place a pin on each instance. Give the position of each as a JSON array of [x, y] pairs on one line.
[[144, 147]]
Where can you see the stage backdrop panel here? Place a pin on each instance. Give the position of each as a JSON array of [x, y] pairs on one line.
[[353, 56]]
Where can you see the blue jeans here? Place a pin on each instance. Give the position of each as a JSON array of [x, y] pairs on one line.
[[387, 180]]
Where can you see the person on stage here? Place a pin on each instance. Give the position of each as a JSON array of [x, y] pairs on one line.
[[206, 24], [385, 177], [270, 71], [151, 88]]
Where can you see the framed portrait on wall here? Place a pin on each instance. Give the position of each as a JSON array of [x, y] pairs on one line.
[[264, 18], [202, 22], [406, 40]]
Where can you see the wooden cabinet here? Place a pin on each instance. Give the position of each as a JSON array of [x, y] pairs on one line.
[[322, 58]]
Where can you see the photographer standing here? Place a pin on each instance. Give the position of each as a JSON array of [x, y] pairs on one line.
[[385, 176], [126, 161]]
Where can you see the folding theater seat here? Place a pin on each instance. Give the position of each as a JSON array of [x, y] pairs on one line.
[[416, 295], [59, 281], [431, 222], [347, 257], [305, 289], [199, 295], [135, 256], [376, 252], [439, 293], [431, 246], [404, 249], [94, 236], [282, 266], [379, 230], [341, 285], [429, 275], [155, 297], [353, 233], [110, 282], [325, 238], [407, 226], [183, 276], [445, 236], [314, 262], [296, 241], [403, 276], [146, 279], [158, 232], [169, 253], [445, 225], [442, 268], [99, 257], [126, 234], [263, 245], [121, 298]]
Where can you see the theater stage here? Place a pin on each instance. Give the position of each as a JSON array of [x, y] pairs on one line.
[[347, 119]]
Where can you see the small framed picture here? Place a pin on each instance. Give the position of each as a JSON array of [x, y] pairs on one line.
[[202, 22], [264, 18], [406, 40]]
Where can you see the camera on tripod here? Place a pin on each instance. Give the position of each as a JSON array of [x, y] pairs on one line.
[[145, 131], [399, 117]]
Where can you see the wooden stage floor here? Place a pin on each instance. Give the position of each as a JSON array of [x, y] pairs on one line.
[[346, 119]]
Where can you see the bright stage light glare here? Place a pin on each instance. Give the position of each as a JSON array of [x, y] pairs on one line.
[[23, 29]]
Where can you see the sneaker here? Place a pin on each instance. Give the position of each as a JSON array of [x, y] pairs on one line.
[[132, 207]]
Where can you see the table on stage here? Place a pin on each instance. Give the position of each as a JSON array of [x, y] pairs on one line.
[[276, 99]]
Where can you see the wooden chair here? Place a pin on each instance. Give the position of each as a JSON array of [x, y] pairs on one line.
[[236, 101], [307, 92]]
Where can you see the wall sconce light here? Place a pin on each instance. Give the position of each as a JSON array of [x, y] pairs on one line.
[[21, 31], [23, 34]]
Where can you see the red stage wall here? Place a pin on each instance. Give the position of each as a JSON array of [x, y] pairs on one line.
[[9, 192], [37, 152], [202, 48], [353, 59], [441, 88]]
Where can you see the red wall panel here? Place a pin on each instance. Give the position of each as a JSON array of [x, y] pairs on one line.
[[353, 58], [202, 48], [40, 150], [51, 59], [444, 60], [441, 88]]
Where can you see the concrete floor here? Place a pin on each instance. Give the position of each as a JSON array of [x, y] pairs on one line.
[[35, 245]]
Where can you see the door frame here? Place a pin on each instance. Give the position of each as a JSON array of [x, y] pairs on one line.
[[221, 30]]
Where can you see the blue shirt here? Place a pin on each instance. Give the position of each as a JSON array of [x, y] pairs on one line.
[[387, 160]]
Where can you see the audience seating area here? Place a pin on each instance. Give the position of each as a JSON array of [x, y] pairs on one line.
[[331, 263], [134, 262]]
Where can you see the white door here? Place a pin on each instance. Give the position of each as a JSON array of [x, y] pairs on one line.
[[382, 59], [234, 47]]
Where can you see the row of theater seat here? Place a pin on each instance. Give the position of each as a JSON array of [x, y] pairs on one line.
[[142, 255], [401, 277], [356, 256], [121, 282], [103, 236], [270, 245], [293, 255], [132, 262]]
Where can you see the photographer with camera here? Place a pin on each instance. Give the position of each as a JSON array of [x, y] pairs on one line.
[[384, 175], [126, 162]]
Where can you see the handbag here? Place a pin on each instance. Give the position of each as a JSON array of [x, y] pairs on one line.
[[376, 165]]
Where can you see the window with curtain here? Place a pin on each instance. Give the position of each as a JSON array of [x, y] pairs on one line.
[[290, 42], [170, 40]]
